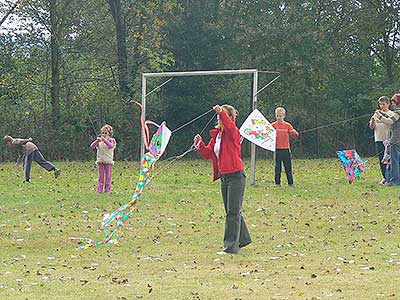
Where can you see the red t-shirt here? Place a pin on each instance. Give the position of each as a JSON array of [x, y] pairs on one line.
[[283, 131]]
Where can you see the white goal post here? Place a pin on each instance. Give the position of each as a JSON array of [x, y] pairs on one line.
[[253, 72]]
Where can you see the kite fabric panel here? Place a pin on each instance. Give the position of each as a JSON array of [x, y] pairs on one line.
[[113, 223], [259, 131], [352, 163]]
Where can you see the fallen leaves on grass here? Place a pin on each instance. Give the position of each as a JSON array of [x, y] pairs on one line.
[[119, 280]]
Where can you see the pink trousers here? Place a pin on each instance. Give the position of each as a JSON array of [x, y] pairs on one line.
[[105, 177]]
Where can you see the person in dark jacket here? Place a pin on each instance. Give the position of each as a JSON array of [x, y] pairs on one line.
[[30, 152], [224, 149]]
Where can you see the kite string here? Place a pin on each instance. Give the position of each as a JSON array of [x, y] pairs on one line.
[[334, 123], [339, 122], [191, 121], [190, 149], [173, 159], [208, 123], [376, 155]]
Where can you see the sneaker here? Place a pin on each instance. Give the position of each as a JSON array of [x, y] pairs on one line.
[[27, 181], [226, 251], [57, 173], [244, 245]]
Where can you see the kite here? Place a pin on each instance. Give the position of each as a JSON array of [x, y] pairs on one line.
[[352, 163], [259, 131], [113, 223]]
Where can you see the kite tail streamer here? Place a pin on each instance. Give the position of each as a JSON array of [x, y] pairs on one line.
[[145, 128], [113, 223], [114, 233]]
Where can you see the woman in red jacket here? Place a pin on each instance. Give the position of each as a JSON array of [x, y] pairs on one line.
[[224, 149]]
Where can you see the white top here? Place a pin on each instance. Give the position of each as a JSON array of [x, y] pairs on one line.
[[381, 130], [105, 154], [217, 145]]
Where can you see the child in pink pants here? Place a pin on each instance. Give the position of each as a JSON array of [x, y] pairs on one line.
[[105, 145]]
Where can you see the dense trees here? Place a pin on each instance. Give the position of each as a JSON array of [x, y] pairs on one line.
[[66, 68]]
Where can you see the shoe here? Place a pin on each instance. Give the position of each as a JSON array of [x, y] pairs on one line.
[[27, 181], [226, 251], [244, 245], [382, 181], [57, 173], [277, 185]]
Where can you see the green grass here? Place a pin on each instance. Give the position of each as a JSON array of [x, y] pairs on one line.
[[322, 239]]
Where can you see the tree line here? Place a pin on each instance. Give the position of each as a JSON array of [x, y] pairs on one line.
[[66, 69]]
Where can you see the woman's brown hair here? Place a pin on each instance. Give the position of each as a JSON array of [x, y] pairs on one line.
[[231, 111]]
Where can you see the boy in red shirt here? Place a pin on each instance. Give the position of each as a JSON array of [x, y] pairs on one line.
[[282, 152]]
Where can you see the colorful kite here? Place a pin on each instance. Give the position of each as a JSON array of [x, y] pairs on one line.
[[112, 224], [352, 163], [259, 131]]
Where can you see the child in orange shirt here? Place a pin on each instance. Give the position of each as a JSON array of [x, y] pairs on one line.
[[282, 152]]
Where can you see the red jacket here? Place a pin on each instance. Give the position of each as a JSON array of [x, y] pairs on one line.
[[230, 158]]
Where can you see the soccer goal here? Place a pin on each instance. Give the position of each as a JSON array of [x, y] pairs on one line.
[[252, 72]]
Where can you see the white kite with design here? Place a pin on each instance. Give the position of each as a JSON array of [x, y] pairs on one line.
[[259, 131]]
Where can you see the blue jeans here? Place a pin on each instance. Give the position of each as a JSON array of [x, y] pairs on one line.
[[39, 158], [388, 172], [395, 164]]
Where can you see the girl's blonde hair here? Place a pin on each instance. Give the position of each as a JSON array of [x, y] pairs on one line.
[[280, 109], [109, 129]]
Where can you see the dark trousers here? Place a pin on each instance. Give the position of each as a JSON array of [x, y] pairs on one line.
[[39, 158], [236, 233], [283, 155], [380, 150]]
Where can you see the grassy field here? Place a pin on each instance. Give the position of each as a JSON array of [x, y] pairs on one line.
[[322, 239]]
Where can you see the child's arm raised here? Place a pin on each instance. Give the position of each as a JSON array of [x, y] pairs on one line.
[[388, 119], [110, 143], [95, 143]]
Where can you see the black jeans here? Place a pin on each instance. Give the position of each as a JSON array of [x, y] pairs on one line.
[[236, 233], [283, 155], [380, 150]]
